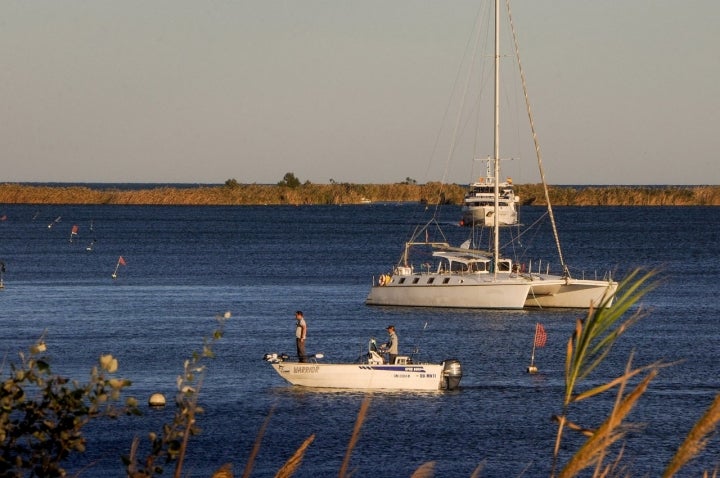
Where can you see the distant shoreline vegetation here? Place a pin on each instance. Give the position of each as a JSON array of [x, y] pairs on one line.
[[291, 192]]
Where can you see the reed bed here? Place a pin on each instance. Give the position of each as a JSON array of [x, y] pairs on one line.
[[532, 194], [235, 194]]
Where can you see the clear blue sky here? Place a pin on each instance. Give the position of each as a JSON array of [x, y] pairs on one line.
[[623, 92]]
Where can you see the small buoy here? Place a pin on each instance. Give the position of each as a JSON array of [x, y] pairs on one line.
[[156, 400], [532, 369]]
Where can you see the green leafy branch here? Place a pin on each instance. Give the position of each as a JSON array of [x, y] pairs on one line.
[[42, 415]]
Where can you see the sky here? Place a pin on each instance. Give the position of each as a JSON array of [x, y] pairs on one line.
[[357, 91]]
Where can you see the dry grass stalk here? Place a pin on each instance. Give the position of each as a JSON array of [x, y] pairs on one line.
[[613, 420], [224, 471], [714, 475], [696, 439], [256, 446], [355, 435], [588, 432], [190, 411], [478, 469], [293, 463], [132, 468], [588, 347], [426, 470], [607, 434]]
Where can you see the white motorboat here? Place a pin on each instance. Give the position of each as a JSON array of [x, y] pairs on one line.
[[370, 372]]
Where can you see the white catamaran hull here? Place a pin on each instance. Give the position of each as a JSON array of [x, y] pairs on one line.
[[462, 291], [570, 293]]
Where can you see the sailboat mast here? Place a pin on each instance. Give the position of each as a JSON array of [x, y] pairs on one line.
[[496, 152]]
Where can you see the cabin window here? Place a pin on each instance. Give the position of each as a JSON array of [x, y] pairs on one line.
[[416, 280], [401, 281], [431, 280], [504, 266], [446, 280]]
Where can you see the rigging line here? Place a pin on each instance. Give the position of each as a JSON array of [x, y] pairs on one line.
[[526, 231], [456, 130], [536, 142], [462, 101]]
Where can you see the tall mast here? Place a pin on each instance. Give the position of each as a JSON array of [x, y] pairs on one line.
[[496, 223]]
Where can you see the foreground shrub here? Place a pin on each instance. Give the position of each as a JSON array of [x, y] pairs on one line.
[[42, 415]]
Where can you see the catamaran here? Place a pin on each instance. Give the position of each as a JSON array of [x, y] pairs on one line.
[[460, 277]]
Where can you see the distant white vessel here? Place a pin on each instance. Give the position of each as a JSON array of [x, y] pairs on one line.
[[478, 207], [371, 372]]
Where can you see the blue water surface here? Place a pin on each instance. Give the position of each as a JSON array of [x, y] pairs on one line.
[[185, 265]]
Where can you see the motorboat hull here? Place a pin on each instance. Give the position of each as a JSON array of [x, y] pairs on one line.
[[363, 376]]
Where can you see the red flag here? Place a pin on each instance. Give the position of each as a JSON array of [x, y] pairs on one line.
[[121, 261], [540, 336]]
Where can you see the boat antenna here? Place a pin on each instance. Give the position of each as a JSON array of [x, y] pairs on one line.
[[538, 154], [416, 349], [496, 149]]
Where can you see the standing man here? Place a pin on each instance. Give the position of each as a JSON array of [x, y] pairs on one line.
[[392, 345], [300, 334]]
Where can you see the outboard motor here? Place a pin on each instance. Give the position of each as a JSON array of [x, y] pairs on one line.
[[452, 373], [275, 358]]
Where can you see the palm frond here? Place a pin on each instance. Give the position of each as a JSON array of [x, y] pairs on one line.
[[590, 344], [594, 337], [608, 433]]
